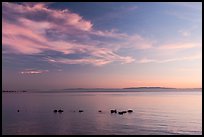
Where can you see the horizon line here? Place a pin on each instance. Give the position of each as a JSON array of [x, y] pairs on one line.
[[147, 87]]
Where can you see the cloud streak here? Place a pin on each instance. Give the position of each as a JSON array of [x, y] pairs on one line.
[[186, 58], [98, 58], [33, 71], [176, 46], [184, 33]]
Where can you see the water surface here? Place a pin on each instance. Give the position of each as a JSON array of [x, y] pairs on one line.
[[154, 113]]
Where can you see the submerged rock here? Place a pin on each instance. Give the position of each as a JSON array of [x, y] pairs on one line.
[[81, 111], [60, 111], [120, 113], [113, 111], [55, 110], [130, 111]]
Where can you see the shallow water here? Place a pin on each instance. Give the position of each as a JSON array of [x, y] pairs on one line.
[[154, 113]]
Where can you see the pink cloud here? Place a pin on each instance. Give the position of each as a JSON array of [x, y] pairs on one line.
[[146, 60], [93, 61], [132, 8], [99, 57], [184, 58], [97, 62], [30, 39], [111, 34], [33, 71], [65, 16], [178, 46], [138, 42], [22, 34]]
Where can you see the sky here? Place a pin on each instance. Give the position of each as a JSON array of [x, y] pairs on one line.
[[101, 45]]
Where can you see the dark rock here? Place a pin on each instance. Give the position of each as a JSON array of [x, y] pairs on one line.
[[81, 111], [18, 110], [113, 111], [55, 110], [130, 111], [120, 113], [124, 111], [60, 111], [99, 111]]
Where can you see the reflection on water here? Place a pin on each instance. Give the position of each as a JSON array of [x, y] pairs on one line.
[[154, 113]]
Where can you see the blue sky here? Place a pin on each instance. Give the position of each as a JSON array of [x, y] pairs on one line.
[[110, 45]]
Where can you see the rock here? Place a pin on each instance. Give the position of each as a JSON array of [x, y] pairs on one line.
[[120, 113], [113, 111], [18, 110], [130, 111], [81, 111], [60, 111], [99, 111], [55, 110], [124, 111]]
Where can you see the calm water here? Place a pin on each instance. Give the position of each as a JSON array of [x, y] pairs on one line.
[[154, 113]]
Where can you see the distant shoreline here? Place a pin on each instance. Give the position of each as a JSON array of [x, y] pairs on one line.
[[111, 91], [149, 88], [126, 88], [129, 89], [14, 91]]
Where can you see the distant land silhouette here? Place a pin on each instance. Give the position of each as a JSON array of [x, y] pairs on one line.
[[126, 88], [148, 88], [88, 88], [131, 89], [13, 91]]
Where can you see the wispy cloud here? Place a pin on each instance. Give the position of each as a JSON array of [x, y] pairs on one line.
[[33, 71], [184, 33], [132, 8], [175, 46], [35, 28], [188, 31], [138, 42], [185, 58], [189, 69], [186, 11], [188, 5], [112, 34], [39, 12], [98, 58]]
